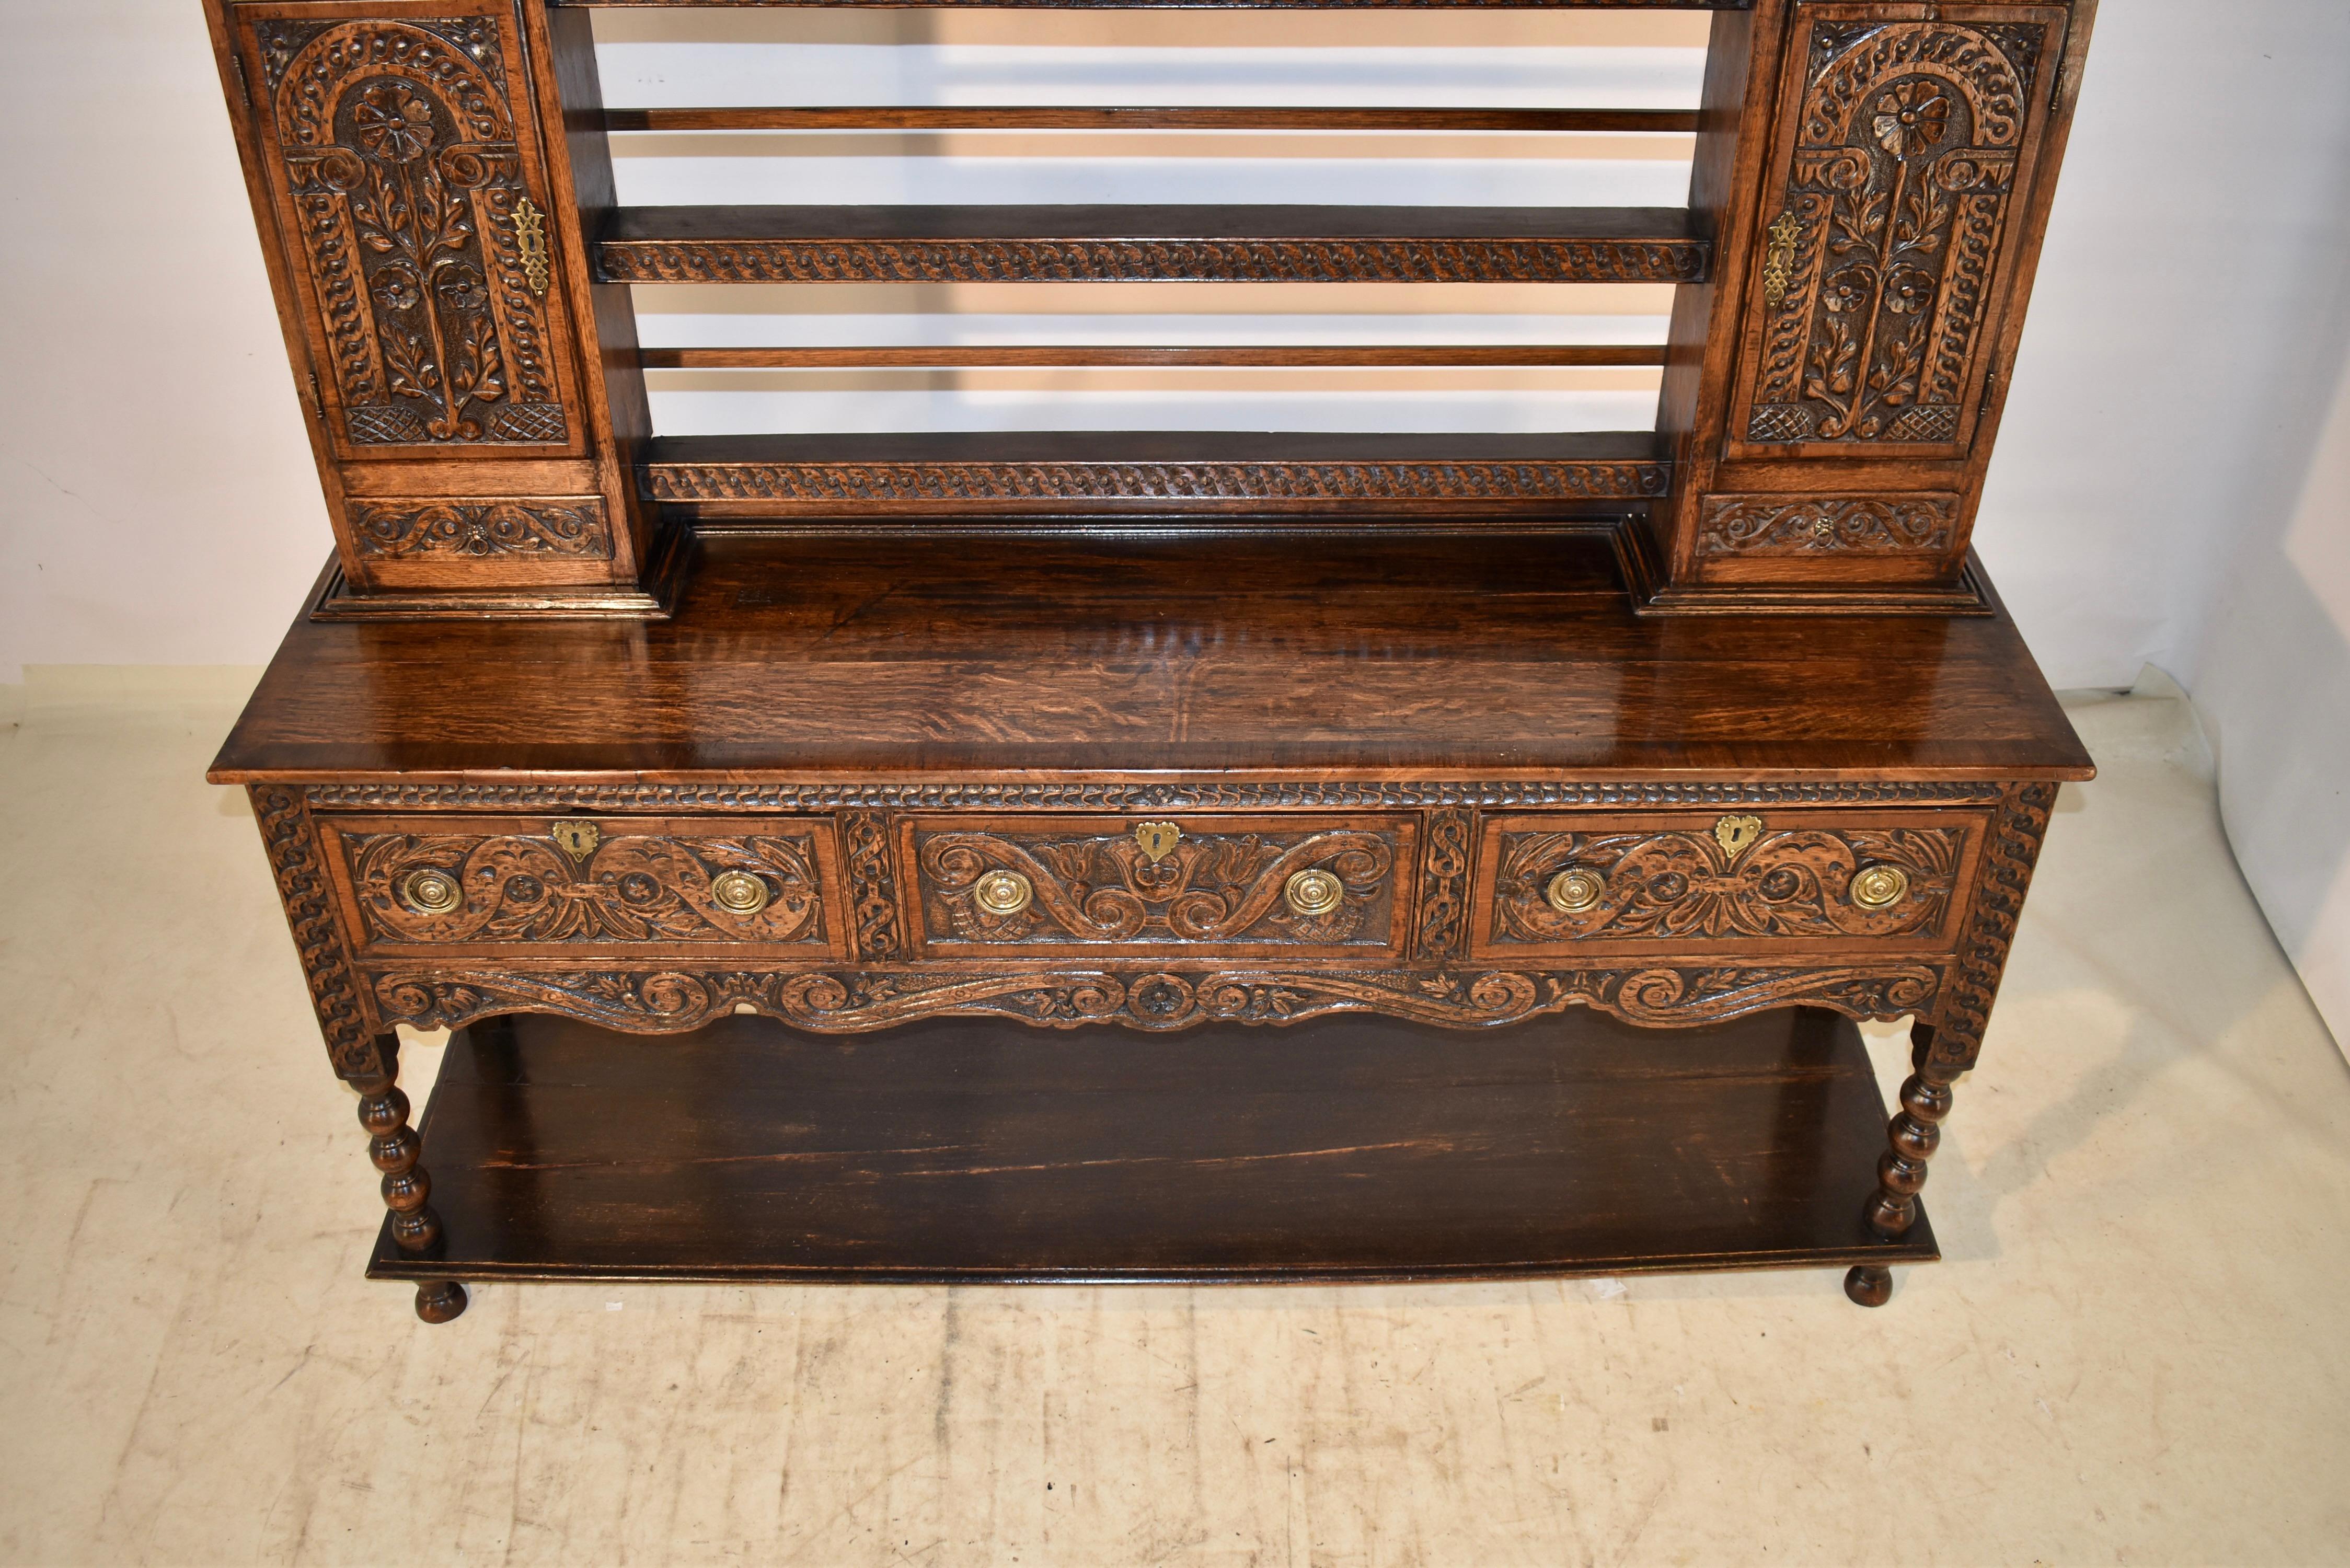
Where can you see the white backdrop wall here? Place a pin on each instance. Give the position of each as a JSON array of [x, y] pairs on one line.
[[2170, 488]]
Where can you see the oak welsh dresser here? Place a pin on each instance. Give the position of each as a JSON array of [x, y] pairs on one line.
[[1151, 854]]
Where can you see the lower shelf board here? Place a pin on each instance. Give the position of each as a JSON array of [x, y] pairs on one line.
[[963, 1149]]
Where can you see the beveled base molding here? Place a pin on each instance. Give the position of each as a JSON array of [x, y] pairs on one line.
[[335, 599], [1966, 597]]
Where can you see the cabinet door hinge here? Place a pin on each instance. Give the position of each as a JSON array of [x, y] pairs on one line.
[[2057, 86], [1991, 390], [236, 65], [317, 407]]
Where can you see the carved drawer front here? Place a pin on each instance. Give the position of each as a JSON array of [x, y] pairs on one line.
[[1214, 885], [563, 886], [1903, 162], [401, 157], [1758, 882]]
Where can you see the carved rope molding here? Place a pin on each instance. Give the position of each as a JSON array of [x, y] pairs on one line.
[[669, 1000], [1782, 525], [1201, 795], [1302, 480], [2000, 886], [293, 854], [1146, 261], [571, 526]]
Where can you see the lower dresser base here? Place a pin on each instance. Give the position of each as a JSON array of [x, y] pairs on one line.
[[1357, 1148]]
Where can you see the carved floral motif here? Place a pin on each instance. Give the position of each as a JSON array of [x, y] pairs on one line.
[[1208, 887], [403, 528], [1782, 525], [404, 170], [1898, 193], [629, 888], [1792, 883]]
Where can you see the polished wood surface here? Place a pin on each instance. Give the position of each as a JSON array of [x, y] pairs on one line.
[[1357, 1148], [886, 656]]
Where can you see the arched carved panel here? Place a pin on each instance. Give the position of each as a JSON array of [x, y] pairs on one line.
[[1888, 227], [415, 212]]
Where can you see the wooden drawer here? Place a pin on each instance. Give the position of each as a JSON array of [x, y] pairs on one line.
[[559, 885], [1742, 882], [1210, 886]]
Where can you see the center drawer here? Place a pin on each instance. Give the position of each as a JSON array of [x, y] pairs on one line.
[[1299, 885]]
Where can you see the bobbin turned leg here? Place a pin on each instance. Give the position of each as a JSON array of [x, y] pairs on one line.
[[394, 1146], [1914, 1133]]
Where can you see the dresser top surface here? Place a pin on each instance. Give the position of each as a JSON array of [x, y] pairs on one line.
[[1461, 656]]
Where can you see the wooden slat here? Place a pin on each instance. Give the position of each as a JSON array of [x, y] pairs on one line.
[[1005, 116], [961, 355], [1148, 471], [1151, 244], [1158, 5]]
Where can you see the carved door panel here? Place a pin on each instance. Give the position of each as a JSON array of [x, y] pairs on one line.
[[402, 160], [1903, 162]]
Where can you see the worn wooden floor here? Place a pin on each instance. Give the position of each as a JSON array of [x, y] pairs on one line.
[[2132, 1354]]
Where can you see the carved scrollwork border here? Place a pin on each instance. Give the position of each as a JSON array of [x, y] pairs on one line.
[[669, 1000], [932, 482], [293, 854], [1179, 796]]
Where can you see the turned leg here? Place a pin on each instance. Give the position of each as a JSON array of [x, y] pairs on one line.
[[1914, 1133], [394, 1146]]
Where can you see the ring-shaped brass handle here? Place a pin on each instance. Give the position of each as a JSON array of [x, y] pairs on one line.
[[1575, 890], [738, 892], [1312, 893], [431, 892], [1880, 887], [1002, 892]]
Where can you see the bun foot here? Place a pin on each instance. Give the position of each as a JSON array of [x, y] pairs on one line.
[[1868, 1287], [438, 1301]]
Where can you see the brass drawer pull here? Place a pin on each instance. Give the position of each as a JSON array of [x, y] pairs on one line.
[[1572, 892], [738, 892], [1002, 893], [1312, 893], [1880, 887], [431, 892]]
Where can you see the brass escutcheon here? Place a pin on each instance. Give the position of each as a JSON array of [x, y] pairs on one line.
[[738, 892], [1312, 893], [431, 892], [1880, 887], [1575, 890], [530, 240], [579, 839], [1735, 833], [1157, 839], [1002, 892]]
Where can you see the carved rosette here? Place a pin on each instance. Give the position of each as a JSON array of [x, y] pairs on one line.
[[1099, 481], [1146, 261], [1105, 888], [1795, 883], [1898, 196], [629, 888], [674, 1000], [572, 527], [1832, 525], [402, 164]]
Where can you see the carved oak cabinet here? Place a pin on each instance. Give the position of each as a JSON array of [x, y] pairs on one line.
[[1151, 854]]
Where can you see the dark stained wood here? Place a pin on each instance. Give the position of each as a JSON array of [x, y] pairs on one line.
[[1174, 5], [1339, 1149], [1150, 243], [1049, 117], [948, 356], [1465, 655]]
